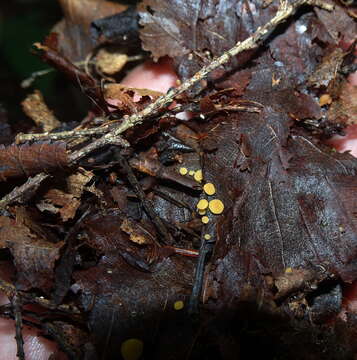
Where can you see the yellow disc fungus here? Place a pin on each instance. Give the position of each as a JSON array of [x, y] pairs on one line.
[[191, 172], [216, 206], [205, 219], [132, 349], [207, 236], [183, 171], [202, 212], [178, 305], [198, 175], [209, 189], [202, 204]]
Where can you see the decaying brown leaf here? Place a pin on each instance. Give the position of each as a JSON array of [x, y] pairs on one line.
[[57, 201], [243, 185], [77, 182], [114, 91]]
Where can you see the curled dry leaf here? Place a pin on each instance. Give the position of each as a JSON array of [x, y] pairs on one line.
[[57, 201], [66, 203], [25, 160], [113, 91], [35, 107], [77, 182], [293, 281]]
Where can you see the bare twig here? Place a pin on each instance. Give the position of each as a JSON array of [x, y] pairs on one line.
[[62, 135], [20, 138], [77, 155], [17, 310], [205, 251]]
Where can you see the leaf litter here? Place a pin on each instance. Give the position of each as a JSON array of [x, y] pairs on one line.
[[119, 235]]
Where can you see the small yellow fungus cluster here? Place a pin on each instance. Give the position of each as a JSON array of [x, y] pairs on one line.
[[215, 206], [179, 305], [197, 175], [132, 349]]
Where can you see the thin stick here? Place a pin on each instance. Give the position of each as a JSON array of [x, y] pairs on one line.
[[77, 155], [62, 135], [205, 250], [17, 310], [20, 138]]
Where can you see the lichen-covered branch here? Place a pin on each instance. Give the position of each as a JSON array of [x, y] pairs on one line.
[[285, 11]]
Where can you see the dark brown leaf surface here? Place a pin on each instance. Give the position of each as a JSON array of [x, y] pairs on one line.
[[115, 248], [293, 183]]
